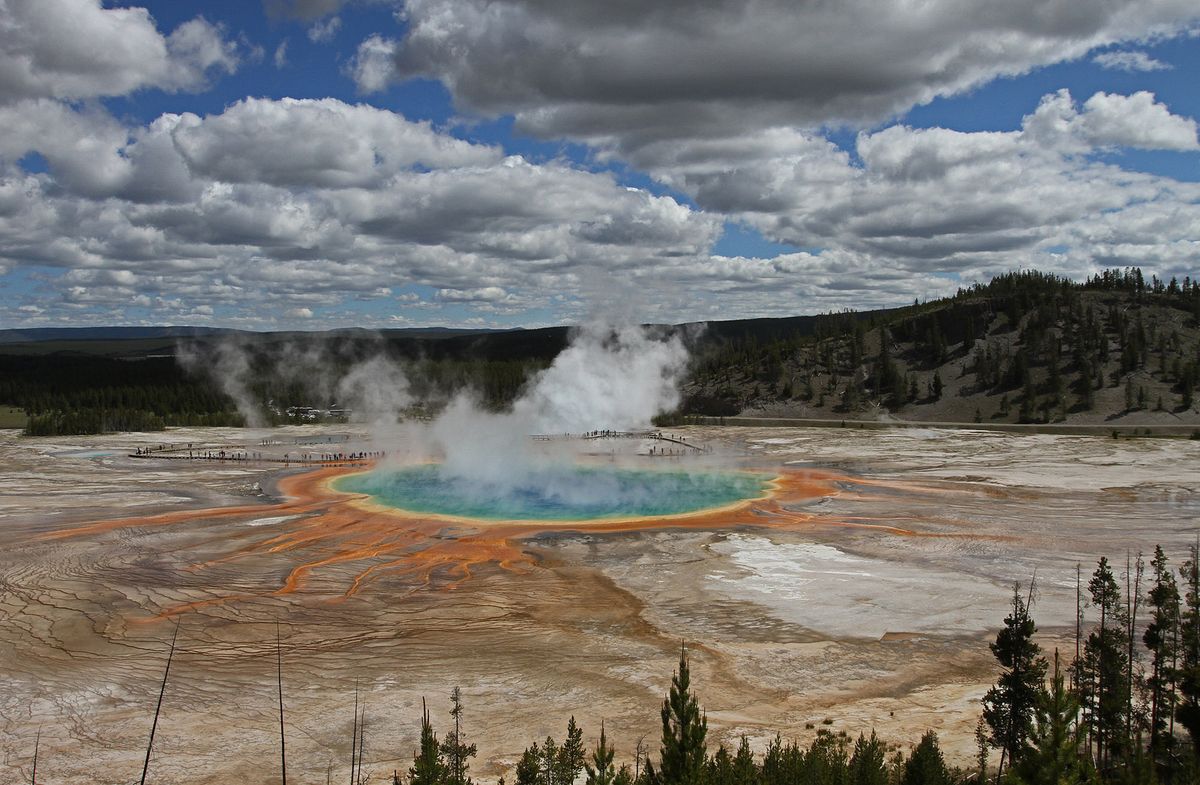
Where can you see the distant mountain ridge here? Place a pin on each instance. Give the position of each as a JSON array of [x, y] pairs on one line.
[[125, 333]]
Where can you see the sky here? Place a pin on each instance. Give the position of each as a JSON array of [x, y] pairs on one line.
[[310, 164]]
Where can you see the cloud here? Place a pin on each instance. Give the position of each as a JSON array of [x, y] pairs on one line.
[[1109, 120], [628, 73], [372, 66], [315, 142], [76, 49], [215, 211], [1131, 61], [323, 32], [194, 216], [942, 201], [488, 294], [280, 57]]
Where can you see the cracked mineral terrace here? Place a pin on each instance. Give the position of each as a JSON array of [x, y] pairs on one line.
[[863, 590]]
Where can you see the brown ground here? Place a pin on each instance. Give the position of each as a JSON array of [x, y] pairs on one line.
[[818, 603]]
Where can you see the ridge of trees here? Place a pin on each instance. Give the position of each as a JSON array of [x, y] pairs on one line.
[[1028, 346], [1040, 344]]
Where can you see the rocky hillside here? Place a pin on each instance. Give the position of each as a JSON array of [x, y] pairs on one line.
[[1026, 347]]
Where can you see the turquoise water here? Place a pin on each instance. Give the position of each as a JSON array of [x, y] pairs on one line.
[[571, 493]]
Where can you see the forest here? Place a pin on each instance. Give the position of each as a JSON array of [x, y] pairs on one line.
[[1025, 347]]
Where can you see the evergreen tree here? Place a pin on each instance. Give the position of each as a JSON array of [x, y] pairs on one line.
[[926, 766], [745, 772], [456, 752], [1009, 705], [600, 771], [720, 767], [529, 767], [1104, 682], [1052, 754], [570, 759], [428, 767], [1188, 712], [684, 728], [1159, 638], [867, 763]]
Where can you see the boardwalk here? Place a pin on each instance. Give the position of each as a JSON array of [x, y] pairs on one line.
[[658, 436], [193, 452]]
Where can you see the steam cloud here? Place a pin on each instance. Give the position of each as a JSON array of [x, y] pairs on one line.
[[608, 377]]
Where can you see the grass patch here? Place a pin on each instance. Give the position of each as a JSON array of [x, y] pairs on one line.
[[11, 417]]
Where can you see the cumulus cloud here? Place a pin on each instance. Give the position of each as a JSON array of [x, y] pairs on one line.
[[372, 67], [937, 200], [193, 215], [323, 32], [1108, 120], [217, 211], [74, 49], [632, 72], [315, 142], [1130, 61]]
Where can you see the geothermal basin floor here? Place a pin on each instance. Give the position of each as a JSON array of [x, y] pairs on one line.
[[865, 597]]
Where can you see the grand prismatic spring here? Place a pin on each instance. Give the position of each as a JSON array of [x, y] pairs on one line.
[[824, 578]]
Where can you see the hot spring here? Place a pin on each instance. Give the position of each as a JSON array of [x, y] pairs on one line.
[[570, 493]]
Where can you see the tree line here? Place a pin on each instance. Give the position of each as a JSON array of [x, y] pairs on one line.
[[1126, 708], [1043, 343]]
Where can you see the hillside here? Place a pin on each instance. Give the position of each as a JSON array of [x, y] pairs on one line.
[[1025, 347]]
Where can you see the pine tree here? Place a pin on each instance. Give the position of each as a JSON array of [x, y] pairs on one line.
[[867, 762], [570, 759], [1104, 683], [720, 767], [1052, 755], [600, 771], [926, 766], [456, 752], [529, 767], [684, 728], [1159, 638], [1008, 706], [744, 770], [428, 767], [1188, 712]]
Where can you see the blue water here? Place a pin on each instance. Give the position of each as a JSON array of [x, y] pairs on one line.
[[570, 493]]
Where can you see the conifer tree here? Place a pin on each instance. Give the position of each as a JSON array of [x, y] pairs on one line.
[[428, 767], [684, 728], [1052, 754], [1188, 712], [1008, 706], [600, 771], [456, 752], [570, 759], [744, 770], [867, 763], [926, 766], [529, 767], [1159, 638], [1104, 683]]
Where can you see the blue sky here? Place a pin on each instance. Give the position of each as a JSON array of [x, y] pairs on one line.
[[322, 163]]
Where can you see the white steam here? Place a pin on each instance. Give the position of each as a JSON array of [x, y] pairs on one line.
[[227, 364], [607, 378]]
